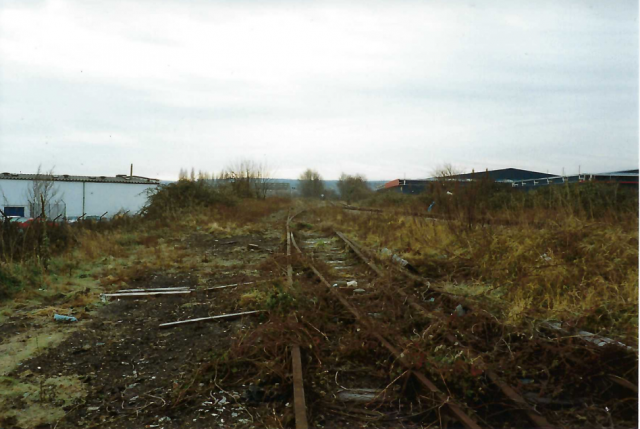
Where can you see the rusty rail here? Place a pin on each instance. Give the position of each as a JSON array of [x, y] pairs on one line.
[[537, 419], [587, 337], [289, 268], [300, 406], [453, 407]]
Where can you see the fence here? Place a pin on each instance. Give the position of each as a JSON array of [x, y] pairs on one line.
[[52, 210]]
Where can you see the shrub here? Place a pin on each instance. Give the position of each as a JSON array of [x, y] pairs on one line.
[[9, 283], [353, 188], [175, 198]]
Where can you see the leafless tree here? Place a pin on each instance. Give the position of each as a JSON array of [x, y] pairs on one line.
[[43, 193], [183, 175], [446, 170], [204, 175], [247, 178]]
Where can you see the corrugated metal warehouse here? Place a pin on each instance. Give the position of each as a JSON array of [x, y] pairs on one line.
[[74, 195]]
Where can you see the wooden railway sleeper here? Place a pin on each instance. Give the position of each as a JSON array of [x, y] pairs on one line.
[[453, 407], [506, 389]]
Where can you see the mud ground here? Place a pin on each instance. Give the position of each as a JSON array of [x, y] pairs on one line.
[[116, 368]]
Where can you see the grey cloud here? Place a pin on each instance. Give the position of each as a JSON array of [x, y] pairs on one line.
[[555, 86]]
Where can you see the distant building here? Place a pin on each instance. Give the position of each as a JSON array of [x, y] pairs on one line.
[[278, 189], [505, 175], [514, 177], [624, 178], [75, 195], [502, 175], [406, 186]]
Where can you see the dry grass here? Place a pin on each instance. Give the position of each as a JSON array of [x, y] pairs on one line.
[[578, 270], [120, 252]]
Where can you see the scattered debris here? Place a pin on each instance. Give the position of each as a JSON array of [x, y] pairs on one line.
[[61, 318], [536, 399], [546, 257], [588, 336], [395, 258], [361, 395], [352, 283]]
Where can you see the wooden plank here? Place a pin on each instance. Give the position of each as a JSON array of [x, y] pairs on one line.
[[207, 319], [231, 285], [300, 407], [139, 294], [158, 289]]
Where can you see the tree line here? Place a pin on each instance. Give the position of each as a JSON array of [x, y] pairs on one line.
[[248, 179], [350, 187]]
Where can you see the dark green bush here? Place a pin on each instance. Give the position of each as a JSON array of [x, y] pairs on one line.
[[183, 195]]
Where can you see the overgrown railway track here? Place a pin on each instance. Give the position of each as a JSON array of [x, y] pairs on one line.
[[493, 376]]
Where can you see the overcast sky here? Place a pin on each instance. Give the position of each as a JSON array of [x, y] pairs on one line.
[[389, 89]]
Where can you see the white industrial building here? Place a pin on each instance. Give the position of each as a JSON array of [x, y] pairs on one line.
[[74, 195]]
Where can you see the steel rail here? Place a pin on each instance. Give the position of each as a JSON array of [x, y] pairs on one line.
[[289, 268], [299, 403], [453, 407], [584, 336], [539, 420], [587, 337]]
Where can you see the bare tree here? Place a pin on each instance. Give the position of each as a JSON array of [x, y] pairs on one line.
[[183, 175], [204, 175], [446, 170], [247, 178], [262, 179], [43, 193], [311, 185]]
